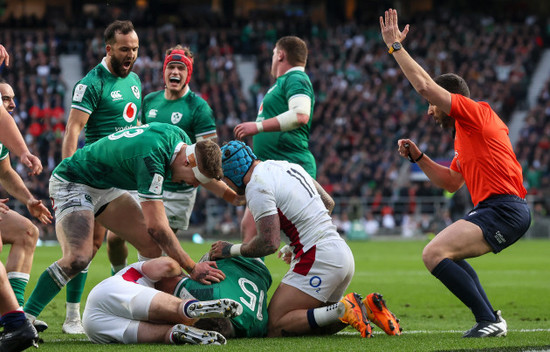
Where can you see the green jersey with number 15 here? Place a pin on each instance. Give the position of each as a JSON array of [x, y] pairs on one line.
[[138, 158], [247, 282]]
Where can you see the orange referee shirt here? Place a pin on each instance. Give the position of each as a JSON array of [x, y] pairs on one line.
[[483, 151]]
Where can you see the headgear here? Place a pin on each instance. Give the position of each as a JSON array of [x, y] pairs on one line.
[[178, 56], [190, 154], [237, 158]]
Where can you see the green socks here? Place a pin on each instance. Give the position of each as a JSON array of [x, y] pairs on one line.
[[75, 287], [18, 282], [52, 280]]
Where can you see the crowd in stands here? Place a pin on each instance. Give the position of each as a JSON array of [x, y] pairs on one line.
[[363, 103], [533, 149]]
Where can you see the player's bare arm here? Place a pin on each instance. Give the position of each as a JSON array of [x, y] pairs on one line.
[[223, 191], [160, 268], [159, 229], [419, 78], [12, 138], [325, 197], [76, 122], [14, 185], [299, 108], [266, 242], [439, 175]]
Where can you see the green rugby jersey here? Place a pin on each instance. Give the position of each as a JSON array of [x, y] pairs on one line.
[[292, 146], [112, 102], [191, 113], [3, 150], [247, 281], [138, 158]]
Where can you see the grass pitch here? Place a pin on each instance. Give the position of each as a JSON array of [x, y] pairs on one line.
[[517, 281]]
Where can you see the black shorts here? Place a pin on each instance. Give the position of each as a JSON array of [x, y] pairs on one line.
[[503, 220]]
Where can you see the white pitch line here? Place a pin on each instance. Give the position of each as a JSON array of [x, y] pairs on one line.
[[406, 332], [412, 332]]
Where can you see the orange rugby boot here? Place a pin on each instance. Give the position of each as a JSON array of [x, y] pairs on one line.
[[356, 314], [378, 313]]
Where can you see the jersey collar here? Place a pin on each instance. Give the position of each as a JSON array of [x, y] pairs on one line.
[[296, 68], [104, 64]]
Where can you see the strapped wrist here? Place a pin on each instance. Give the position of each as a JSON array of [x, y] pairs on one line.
[[260, 126], [235, 250]]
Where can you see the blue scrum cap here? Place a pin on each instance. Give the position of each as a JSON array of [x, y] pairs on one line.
[[237, 159]]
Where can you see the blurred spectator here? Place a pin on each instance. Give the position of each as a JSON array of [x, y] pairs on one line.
[[370, 224]]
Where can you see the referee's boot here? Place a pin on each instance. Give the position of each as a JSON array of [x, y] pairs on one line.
[[496, 328]]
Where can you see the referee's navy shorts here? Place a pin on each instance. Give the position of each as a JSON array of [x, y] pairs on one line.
[[502, 218]]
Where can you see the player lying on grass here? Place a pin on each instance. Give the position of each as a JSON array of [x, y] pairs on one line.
[[126, 308], [247, 281], [283, 197]]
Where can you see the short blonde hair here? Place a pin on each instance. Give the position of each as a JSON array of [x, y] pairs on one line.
[[209, 159]]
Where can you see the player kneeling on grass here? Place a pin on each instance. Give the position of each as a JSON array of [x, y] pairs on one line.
[[126, 308], [283, 197]]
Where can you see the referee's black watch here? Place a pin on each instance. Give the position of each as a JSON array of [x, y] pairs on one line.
[[394, 47]]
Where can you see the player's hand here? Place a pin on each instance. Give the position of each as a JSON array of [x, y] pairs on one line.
[[32, 162], [285, 253], [220, 250], [4, 56], [39, 211], [3, 206], [245, 129], [207, 273], [390, 29], [407, 148]]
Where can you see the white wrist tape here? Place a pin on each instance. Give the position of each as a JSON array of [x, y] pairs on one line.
[[235, 250], [260, 126], [190, 153], [298, 104]]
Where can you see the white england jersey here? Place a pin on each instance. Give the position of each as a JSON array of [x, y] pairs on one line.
[[280, 187], [134, 274]]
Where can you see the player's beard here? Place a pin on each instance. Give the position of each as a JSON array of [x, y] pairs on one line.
[[447, 122], [118, 68]]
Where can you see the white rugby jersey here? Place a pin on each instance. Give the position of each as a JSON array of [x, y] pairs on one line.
[[133, 273], [280, 187]]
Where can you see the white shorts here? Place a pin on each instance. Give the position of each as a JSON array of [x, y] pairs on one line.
[[114, 309], [179, 206], [323, 272], [68, 197]]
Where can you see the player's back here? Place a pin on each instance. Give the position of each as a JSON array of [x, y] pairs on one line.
[[286, 189], [247, 282]]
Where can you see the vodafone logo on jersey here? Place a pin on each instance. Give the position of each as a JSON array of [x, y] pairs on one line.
[[130, 112]]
